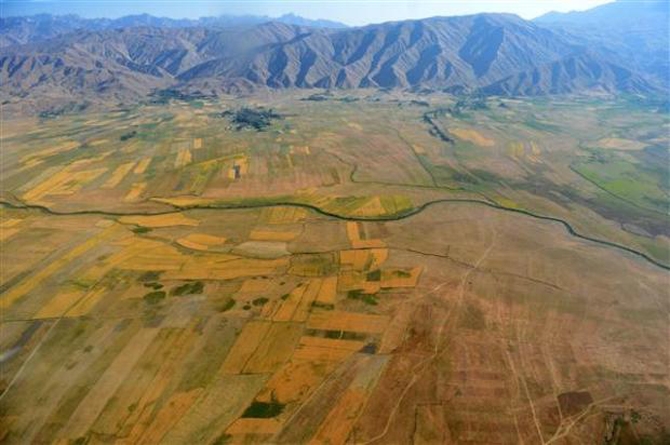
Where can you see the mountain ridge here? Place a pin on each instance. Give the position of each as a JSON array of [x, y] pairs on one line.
[[485, 53], [634, 33], [39, 27]]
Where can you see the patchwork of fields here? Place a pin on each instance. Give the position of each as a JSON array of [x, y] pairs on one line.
[[369, 270]]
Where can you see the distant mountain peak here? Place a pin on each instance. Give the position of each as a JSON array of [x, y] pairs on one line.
[[294, 19], [25, 29]]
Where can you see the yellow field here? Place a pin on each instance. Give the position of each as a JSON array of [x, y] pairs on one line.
[[328, 292], [225, 267], [294, 381], [174, 409], [94, 402], [177, 346], [183, 158], [357, 280], [59, 304], [240, 162], [418, 149], [299, 150], [344, 413], [255, 286], [254, 426], [355, 238], [320, 354], [184, 201], [152, 256], [363, 259], [339, 421], [379, 256], [10, 222], [87, 302], [283, 215], [290, 305], [135, 254], [357, 259], [534, 148], [275, 348], [245, 345], [372, 207], [304, 307], [135, 192], [505, 202], [472, 136], [201, 241], [352, 231], [395, 278], [141, 166], [32, 158], [8, 233], [332, 343], [535, 152], [347, 321], [8, 229], [36, 279], [97, 142], [185, 242], [196, 425], [65, 182], [118, 175], [516, 149]]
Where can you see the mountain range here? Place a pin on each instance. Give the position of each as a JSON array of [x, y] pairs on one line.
[[21, 30], [620, 47], [629, 33]]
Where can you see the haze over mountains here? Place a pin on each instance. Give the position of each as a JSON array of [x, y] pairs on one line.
[[20, 30], [616, 48], [632, 33]]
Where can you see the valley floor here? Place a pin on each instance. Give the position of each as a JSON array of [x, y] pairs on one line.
[[369, 268]]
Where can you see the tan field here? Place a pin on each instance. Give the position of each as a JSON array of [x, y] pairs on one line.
[[66, 182], [621, 144], [118, 175], [183, 158], [169, 220], [473, 136], [135, 192], [344, 276], [141, 166]]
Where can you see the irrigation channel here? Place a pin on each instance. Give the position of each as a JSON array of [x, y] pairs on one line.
[[396, 217]]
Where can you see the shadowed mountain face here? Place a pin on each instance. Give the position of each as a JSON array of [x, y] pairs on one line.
[[580, 72], [489, 53], [116, 63], [463, 52]]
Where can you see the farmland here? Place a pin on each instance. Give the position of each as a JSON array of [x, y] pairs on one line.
[[364, 269]]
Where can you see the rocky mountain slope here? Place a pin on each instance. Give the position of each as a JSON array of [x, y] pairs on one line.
[[630, 33], [489, 53]]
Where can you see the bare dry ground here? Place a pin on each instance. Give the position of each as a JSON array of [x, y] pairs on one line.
[[151, 313]]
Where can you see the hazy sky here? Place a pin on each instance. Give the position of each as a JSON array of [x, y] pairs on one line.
[[351, 12]]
